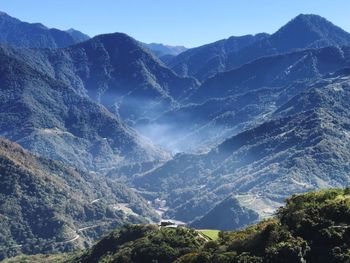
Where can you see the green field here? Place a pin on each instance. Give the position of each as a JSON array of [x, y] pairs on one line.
[[212, 234]]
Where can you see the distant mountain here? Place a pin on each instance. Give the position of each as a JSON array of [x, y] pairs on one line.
[[21, 34], [304, 31], [77, 35], [227, 215], [304, 145], [207, 60], [47, 207], [274, 71], [161, 50], [53, 118], [233, 101]]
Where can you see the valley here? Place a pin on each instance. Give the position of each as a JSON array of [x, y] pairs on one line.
[[104, 137]]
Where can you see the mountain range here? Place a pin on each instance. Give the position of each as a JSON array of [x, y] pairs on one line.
[[35, 35], [116, 71], [49, 116], [231, 101], [216, 136], [304, 146], [304, 31]]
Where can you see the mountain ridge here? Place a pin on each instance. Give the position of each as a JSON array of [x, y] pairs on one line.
[[35, 35], [58, 123], [116, 71], [304, 31], [299, 149]]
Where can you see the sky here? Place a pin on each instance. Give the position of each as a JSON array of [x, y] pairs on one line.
[[174, 22]]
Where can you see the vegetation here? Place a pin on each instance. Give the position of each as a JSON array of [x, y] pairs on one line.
[[137, 243], [48, 207], [41, 258], [313, 227]]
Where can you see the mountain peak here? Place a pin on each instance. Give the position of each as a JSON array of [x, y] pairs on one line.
[[117, 36], [309, 31], [77, 35], [311, 22], [309, 17], [114, 41]]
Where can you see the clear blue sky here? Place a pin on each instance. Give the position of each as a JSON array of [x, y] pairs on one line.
[[177, 22]]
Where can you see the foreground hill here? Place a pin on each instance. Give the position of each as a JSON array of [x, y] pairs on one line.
[[21, 34], [48, 207], [313, 228], [304, 31], [304, 146]]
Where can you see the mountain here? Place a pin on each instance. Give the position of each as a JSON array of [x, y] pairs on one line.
[[22, 34], [227, 215], [304, 31], [124, 74], [48, 207], [207, 60], [233, 101], [51, 118], [301, 147], [319, 234], [161, 50], [116, 71], [274, 71]]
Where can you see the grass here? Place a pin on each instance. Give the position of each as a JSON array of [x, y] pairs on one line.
[[211, 234]]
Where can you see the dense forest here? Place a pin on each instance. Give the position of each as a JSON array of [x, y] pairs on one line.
[[312, 227]]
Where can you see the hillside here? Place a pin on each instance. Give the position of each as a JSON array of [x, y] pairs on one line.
[[116, 71], [275, 72], [227, 215], [144, 244], [52, 119], [234, 101], [47, 207], [304, 146], [313, 228], [302, 32], [205, 61], [35, 35]]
